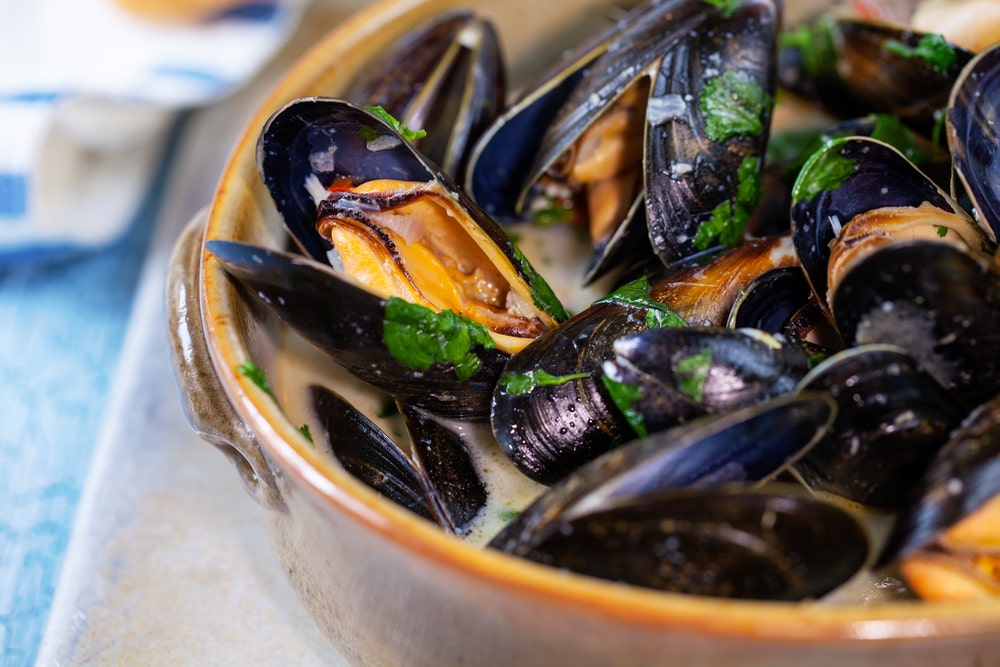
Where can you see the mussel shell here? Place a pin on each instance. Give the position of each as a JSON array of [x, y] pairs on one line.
[[689, 173], [348, 322], [846, 178], [973, 135], [748, 445], [866, 69], [733, 369], [962, 478], [553, 429], [892, 418], [939, 303], [445, 77], [715, 542], [771, 301], [369, 454]]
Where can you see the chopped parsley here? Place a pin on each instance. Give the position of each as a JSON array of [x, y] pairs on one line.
[[522, 383], [541, 293], [729, 218], [624, 395], [636, 294], [932, 48], [509, 514], [825, 170], [553, 213], [417, 337], [255, 374], [691, 373], [942, 231], [815, 359], [891, 130], [369, 134], [304, 430], [815, 44], [734, 104], [727, 7]]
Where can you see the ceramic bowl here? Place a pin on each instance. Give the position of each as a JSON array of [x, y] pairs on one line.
[[388, 588]]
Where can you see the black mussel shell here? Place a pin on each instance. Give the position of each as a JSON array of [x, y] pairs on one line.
[[856, 66], [936, 301], [973, 135], [963, 477], [439, 483], [892, 418], [677, 373], [445, 77], [350, 324], [748, 445], [717, 542], [709, 120]]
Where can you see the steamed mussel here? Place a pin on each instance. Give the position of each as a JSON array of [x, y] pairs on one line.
[[842, 349]]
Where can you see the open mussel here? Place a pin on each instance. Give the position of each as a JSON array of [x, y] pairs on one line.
[[437, 480], [946, 541], [415, 289], [446, 78], [673, 103]]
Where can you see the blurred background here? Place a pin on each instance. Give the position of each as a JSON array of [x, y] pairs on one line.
[[117, 118]]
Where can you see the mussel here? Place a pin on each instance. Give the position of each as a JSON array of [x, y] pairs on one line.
[[426, 297]]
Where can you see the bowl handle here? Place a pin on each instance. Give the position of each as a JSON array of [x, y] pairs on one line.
[[205, 404]]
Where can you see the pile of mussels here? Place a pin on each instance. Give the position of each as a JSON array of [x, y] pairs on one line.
[[818, 306]]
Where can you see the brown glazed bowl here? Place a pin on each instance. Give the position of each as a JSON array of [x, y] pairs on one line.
[[389, 588]]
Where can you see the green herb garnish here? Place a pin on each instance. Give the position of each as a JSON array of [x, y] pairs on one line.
[[553, 213], [815, 44], [417, 337], [509, 514], [815, 359], [825, 170], [942, 231], [541, 293], [625, 395], [255, 374], [692, 372], [636, 294], [729, 218], [937, 132], [369, 134], [522, 383], [734, 104], [932, 48], [304, 430], [892, 131], [726, 6]]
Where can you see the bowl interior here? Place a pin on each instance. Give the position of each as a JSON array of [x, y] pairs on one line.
[[236, 331]]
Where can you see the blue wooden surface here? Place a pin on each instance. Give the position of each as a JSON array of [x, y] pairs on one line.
[[61, 329]]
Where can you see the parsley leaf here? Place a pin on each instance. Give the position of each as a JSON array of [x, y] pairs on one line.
[[892, 131], [256, 375], [522, 383], [692, 372], [304, 430], [388, 119], [624, 395], [541, 292], [726, 6], [417, 337], [734, 104], [931, 48], [729, 219], [825, 170], [636, 294], [815, 44]]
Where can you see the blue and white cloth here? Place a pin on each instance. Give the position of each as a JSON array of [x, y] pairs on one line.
[[88, 92]]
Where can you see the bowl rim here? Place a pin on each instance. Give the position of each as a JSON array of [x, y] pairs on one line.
[[331, 486]]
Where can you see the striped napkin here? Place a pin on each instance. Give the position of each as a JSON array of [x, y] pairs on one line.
[[88, 93]]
